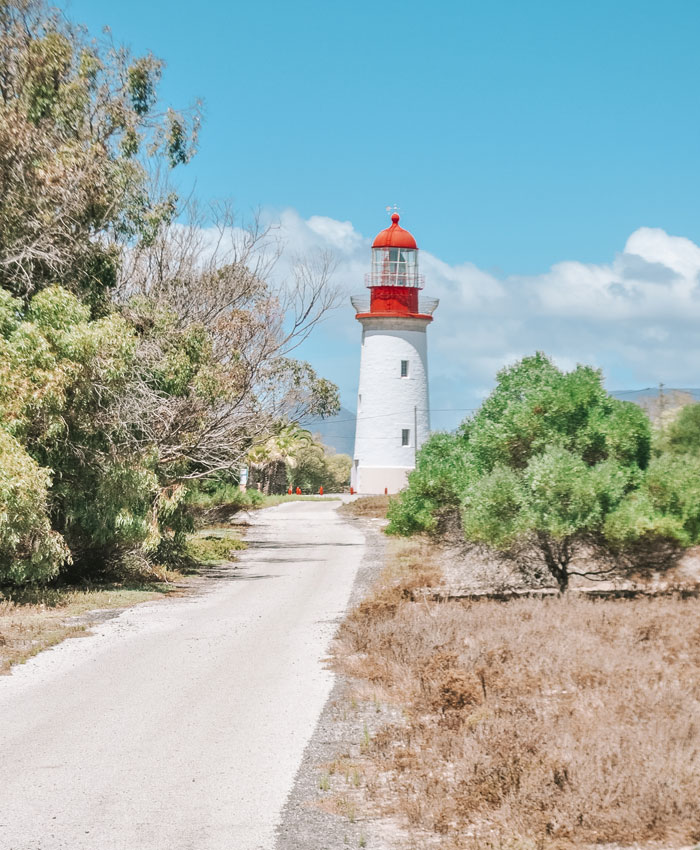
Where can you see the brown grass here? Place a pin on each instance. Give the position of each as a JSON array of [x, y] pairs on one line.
[[536, 722], [374, 507], [34, 619], [39, 619]]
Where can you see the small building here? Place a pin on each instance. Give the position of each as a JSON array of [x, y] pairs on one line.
[[393, 415]]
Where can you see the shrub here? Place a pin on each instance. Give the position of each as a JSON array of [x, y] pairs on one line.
[[436, 485], [549, 468], [684, 432], [29, 549], [214, 548]]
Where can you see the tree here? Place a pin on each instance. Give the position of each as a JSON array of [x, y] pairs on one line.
[[683, 434], [555, 473], [271, 459], [435, 487], [79, 125], [318, 466], [209, 287], [136, 354], [62, 375]]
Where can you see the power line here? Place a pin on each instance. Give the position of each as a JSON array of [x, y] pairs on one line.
[[395, 413]]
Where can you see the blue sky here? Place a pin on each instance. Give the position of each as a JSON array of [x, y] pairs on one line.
[[513, 136]]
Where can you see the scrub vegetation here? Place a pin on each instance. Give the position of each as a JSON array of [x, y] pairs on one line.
[[144, 352], [535, 721], [561, 478], [374, 507], [559, 722]]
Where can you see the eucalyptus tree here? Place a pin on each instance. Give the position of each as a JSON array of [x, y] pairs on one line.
[[80, 129], [136, 352]]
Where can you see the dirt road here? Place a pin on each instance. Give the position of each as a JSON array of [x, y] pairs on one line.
[[181, 724]]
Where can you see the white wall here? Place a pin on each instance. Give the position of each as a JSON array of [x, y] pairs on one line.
[[388, 403]]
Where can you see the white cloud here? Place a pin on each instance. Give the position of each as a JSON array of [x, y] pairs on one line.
[[637, 317]]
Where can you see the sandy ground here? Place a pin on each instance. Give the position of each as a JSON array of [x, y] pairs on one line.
[[181, 724]]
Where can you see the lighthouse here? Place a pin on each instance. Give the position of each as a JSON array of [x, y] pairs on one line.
[[393, 416]]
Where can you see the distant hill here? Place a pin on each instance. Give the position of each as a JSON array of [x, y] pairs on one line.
[[337, 432], [659, 403]]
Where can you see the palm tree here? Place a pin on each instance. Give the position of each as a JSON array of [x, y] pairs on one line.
[[269, 459]]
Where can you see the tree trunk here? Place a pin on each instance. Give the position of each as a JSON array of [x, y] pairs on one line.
[[557, 562], [277, 481]]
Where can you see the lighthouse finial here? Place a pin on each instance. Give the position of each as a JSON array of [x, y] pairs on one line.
[[394, 210]]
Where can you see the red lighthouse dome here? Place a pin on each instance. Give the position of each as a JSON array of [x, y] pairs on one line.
[[395, 236], [394, 281]]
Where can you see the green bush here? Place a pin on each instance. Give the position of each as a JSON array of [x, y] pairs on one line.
[[683, 435], [443, 470], [550, 466], [213, 548], [217, 493], [60, 374], [29, 549], [314, 466]]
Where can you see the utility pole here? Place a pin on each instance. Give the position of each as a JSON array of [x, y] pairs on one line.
[[415, 434]]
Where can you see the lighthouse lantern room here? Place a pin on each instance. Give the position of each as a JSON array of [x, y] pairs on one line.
[[393, 417]]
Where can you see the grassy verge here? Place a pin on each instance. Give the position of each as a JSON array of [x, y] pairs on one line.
[[39, 619], [218, 506], [370, 507], [271, 501], [35, 619], [217, 546], [531, 723]]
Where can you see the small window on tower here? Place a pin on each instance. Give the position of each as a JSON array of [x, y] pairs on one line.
[[405, 434], [404, 368]]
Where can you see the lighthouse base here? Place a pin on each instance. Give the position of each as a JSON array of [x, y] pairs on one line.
[[373, 480]]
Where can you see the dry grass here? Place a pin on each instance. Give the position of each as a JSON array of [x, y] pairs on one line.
[[34, 619], [42, 618], [373, 507], [531, 723]]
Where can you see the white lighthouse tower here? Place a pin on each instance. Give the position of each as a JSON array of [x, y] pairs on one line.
[[393, 417]]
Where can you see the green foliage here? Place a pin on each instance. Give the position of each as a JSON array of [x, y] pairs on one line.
[[214, 548], [443, 468], [114, 398], [29, 549], [213, 492], [535, 406], [314, 466], [494, 504], [78, 127], [59, 372], [549, 466], [683, 436], [291, 457]]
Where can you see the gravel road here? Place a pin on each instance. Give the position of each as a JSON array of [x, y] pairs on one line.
[[181, 724]]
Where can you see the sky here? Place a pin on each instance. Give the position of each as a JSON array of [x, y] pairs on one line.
[[544, 155]]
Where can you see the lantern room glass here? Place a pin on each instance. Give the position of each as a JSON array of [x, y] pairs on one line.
[[394, 267]]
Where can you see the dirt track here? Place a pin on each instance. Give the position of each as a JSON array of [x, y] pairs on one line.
[[181, 724]]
